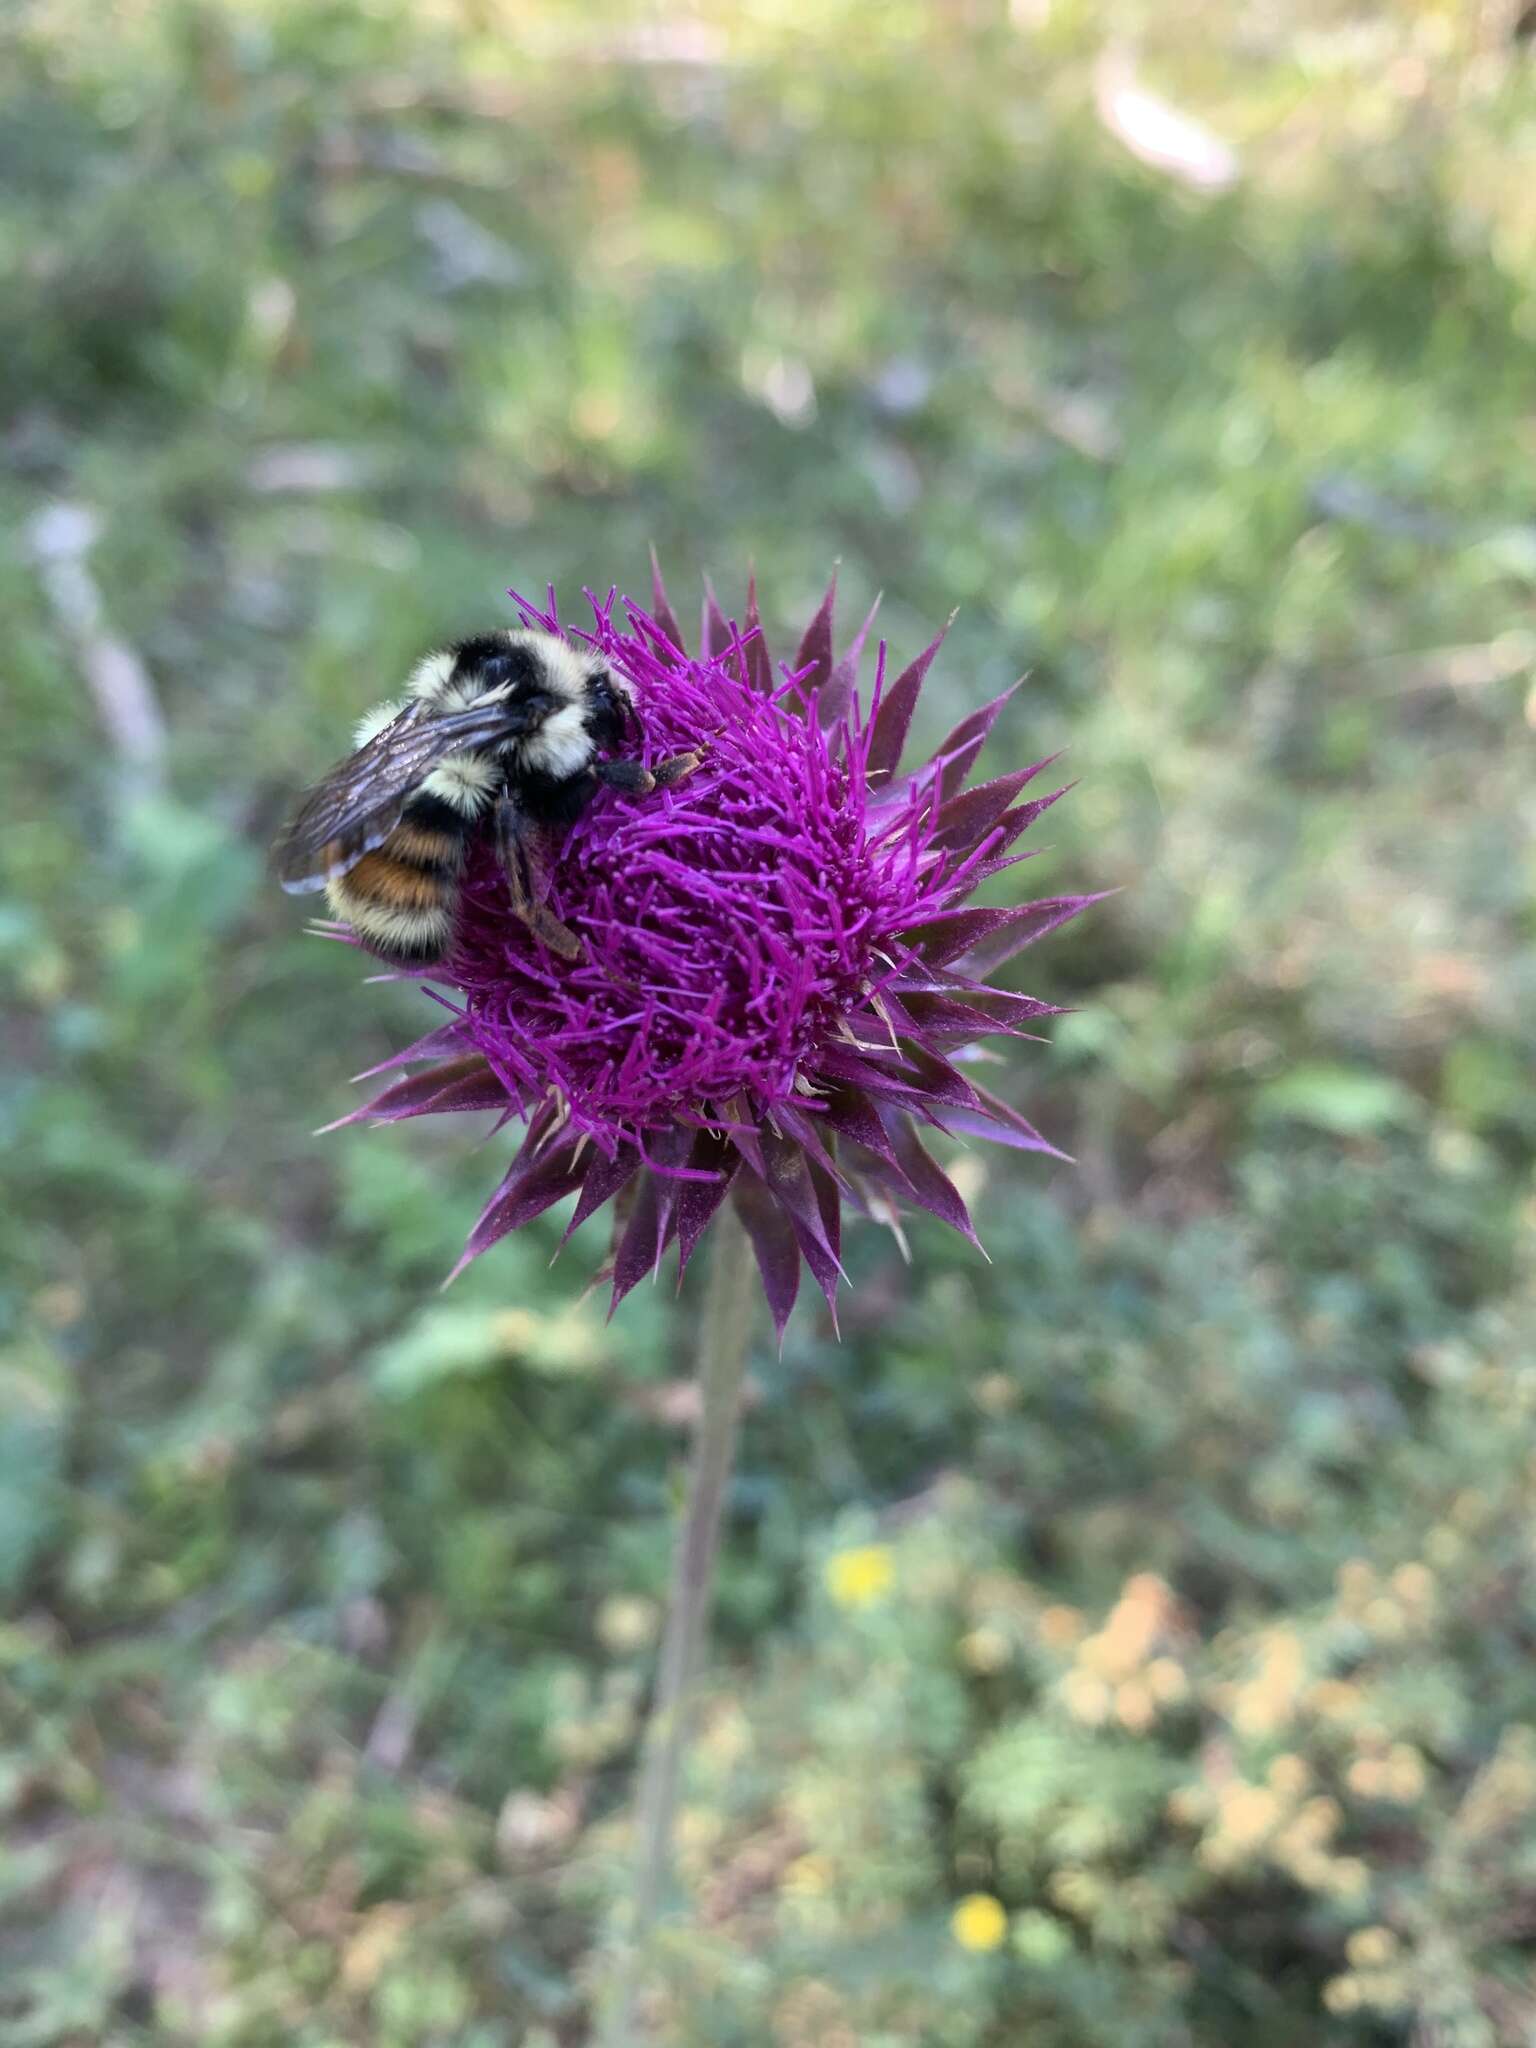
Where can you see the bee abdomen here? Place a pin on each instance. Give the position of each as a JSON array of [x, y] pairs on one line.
[[424, 847], [402, 896], [396, 884]]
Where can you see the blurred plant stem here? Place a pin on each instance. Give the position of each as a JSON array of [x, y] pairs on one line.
[[724, 1342]]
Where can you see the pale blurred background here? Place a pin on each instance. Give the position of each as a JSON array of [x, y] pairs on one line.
[[1126, 1644]]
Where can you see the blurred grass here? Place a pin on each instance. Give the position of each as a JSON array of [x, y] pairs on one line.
[[1207, 1505]]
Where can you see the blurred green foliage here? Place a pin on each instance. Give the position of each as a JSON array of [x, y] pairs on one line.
[[1127, 1642]]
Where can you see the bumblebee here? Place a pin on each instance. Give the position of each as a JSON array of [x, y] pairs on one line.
[[512, 732]]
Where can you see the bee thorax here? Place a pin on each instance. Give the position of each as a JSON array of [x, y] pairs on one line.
[[466, 781], [561, 747]]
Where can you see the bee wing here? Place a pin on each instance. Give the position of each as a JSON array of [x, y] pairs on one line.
[[358, 805]]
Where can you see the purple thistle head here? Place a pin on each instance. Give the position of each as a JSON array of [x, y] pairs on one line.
[[781, 984]]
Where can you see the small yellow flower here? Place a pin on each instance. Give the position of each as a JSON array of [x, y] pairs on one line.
[[1342, 1994], [1371, 1948], [808, 1876], [979, 1923], [1289, 1776], [1135, 1707], [1169, 1685], [1060, 1627], [984, 1649], [1087, 1699], [858, 1578]]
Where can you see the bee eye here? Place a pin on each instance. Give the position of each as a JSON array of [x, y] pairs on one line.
[[495, 671]]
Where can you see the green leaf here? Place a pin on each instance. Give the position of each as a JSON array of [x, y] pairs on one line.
[[449, 1341], [1351, 1102], [33, 1411]]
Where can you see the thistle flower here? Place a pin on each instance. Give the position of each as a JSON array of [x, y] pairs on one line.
[[781, 980]]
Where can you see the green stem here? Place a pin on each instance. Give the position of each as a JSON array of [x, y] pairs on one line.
[[724, 1342]]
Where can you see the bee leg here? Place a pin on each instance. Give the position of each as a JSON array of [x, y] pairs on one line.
[[512, 845], [639, 781], [625, 775], [676, 768]]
